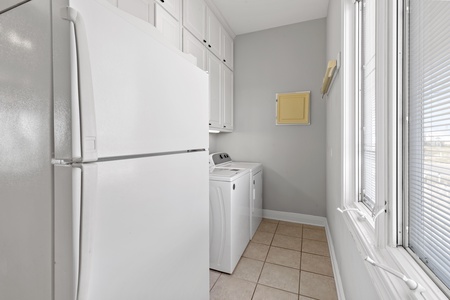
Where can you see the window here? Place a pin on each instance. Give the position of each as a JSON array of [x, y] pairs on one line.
[[366, 96], [385, 160], [427, 150]]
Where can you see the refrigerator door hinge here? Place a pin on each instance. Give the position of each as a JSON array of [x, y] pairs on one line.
[[66, 162]]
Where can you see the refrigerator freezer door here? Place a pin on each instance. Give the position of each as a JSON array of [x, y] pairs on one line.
[[150, 232], [25, 152], [148, 97]]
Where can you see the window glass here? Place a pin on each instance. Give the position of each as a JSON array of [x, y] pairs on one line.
[[428, 144], [367, 103]]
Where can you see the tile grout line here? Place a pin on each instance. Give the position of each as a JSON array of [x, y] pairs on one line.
[[264, 263]]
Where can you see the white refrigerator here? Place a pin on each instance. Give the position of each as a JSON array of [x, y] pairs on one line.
[[103, 157]]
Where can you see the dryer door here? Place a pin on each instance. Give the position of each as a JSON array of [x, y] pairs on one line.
[[256, 203]]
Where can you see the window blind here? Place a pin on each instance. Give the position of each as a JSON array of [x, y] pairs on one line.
[[429, 134], [367, 102]]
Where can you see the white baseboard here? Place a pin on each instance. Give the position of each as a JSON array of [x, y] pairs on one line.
[[334, 263], [294, 217], [317, 221]]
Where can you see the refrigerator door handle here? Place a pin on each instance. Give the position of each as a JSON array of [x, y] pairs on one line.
[[88, 130], [84, 227]]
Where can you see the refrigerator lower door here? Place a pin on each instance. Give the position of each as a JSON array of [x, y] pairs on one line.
[[142, 233]]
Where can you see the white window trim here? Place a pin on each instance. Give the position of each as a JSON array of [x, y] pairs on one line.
[[378, 239]]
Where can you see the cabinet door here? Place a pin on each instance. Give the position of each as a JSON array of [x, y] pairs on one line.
[[168, 26], [213, 33], [137, 8], [194, 47], [227, 49], [194, 18], [215, 91], [171, 6], [227, 99]]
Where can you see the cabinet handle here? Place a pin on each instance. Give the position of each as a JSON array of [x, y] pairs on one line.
[[234, 186], [162, 1], [209, 46], [204, 41]]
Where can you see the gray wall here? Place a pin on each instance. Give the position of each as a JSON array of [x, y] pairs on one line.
[[356, 281], [280, 60]]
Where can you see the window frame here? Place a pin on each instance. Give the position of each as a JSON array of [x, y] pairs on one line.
[[381, 237], [360, 102], [351, 181]]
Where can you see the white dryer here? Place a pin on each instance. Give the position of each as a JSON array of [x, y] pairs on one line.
[[229, 217], [223, 160]]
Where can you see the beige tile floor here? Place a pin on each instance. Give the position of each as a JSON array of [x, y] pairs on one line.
[[283, 261]]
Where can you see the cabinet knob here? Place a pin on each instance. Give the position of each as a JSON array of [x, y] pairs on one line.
[[209, 124], [209, 46], [224, 126], [234, 186], [204, 41], [162, 1], [224, 60]]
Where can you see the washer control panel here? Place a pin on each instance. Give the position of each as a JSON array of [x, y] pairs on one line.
[[218, 158]]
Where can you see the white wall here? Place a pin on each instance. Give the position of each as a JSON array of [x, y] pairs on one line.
[[356, 281], [212, 142], [284, 59]]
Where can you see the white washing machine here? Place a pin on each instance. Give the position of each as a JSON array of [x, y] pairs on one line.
[[223, 160], [229, 213]]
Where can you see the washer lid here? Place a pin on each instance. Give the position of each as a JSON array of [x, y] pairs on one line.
[[254, 167], [226, 174]]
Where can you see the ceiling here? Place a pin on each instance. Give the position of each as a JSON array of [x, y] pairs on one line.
[[244, 16]]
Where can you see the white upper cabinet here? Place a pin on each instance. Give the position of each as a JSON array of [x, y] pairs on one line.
[[215, 67], [191, 26], [194, 18], [168, 26], [213, 33], [227, 99], [204, 25], [227, 50], [163, 14], [196, 48], [137, 8], [171, 6], [220, 94]]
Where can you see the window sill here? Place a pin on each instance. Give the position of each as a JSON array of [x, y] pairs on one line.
[[397, 258]]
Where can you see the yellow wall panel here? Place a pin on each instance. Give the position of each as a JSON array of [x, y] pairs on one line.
[[293, 108]]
